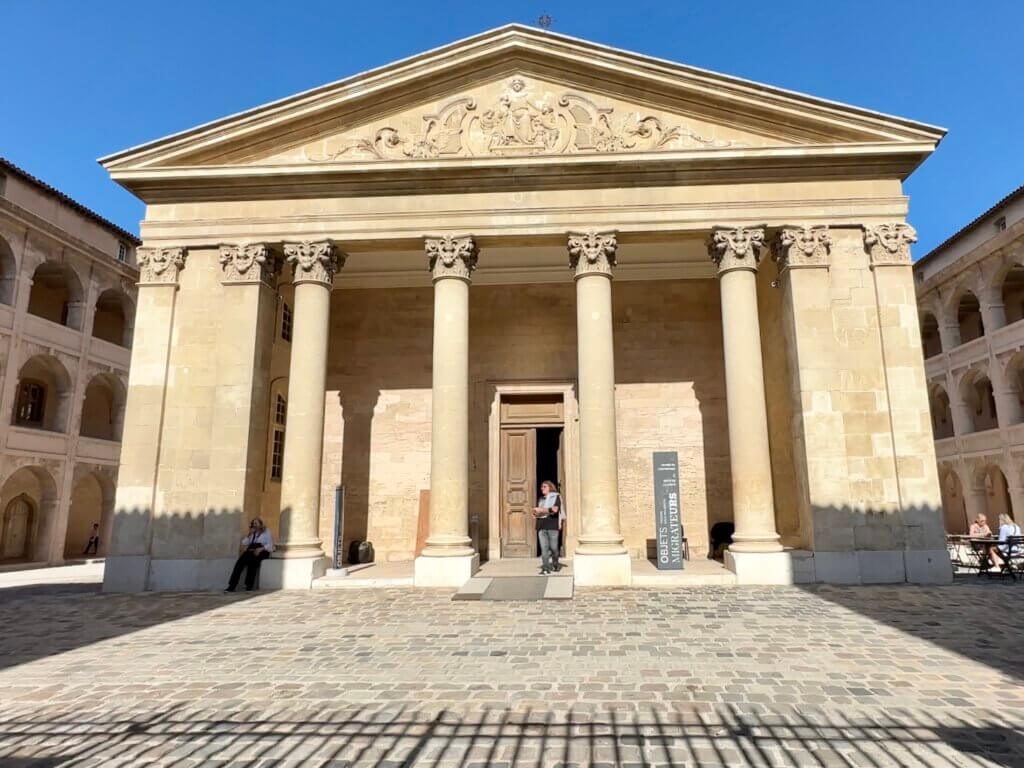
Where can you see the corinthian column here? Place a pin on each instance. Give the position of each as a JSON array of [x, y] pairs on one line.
[[299, 558], [448, 558], [600, 556], [737, 252]]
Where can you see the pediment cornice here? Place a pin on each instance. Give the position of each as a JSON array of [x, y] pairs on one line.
[[669, 108]]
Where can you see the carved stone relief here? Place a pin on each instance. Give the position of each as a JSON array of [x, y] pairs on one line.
[[796, 247], [889, 244], [160, 265], [451, 256], [314, 262], [592, 252], [525, 119], [248, 263], [736, 248]]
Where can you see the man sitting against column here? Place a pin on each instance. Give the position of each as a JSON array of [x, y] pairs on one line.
[[258, 545]]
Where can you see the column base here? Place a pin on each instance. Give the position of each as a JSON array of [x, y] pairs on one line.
[[444, 571], [612, 570], [291, 572], [760, 567]]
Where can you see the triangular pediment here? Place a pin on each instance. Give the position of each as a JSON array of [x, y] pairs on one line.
[[517, 94], [520, 116]]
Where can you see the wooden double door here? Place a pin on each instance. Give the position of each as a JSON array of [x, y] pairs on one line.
[[526, 451]]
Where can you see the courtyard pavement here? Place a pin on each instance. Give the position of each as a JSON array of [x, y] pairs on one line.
[[729, 676]]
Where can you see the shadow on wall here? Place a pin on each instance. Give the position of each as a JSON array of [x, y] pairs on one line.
[[409, 735]]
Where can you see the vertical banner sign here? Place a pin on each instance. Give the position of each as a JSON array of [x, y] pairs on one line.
[[667, 520]]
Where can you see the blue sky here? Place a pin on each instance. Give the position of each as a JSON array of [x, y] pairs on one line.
[[83, 79]]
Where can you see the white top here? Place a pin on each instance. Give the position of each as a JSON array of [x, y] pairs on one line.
[[1008, 530], [554, 499], [265, 539]]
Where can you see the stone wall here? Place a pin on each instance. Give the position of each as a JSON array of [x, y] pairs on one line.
[[670, 396]]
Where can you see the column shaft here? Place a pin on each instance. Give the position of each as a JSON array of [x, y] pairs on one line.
[[737, 252], [303, 442], [449, 438], [599, 474]]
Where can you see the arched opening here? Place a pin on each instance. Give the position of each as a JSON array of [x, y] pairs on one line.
[[954, 507], [942, 414], [968, 315], [44, 394], [27, 506], [56, 295], [113, 319], [8, 273], [90, 512], [976, 390], [930, 340], [103, 408], [1014, 377], [1013, 294], [997, 495]]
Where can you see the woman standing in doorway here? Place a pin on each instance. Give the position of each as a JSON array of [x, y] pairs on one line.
[[548, 516]]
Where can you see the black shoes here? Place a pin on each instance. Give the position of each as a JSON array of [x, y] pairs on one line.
[[230, 589]]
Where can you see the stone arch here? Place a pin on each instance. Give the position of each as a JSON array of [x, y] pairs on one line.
[[1013, 379], [92, 503], [114, 318], [968, 315], [8, 272], [28, 512], [954, 505], [930, 339], [978, 395], [942, 413], [43, 397], [57, 294], [997, 493], [103, 408]]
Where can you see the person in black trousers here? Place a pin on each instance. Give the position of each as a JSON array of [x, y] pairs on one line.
[[258, 545], [94, 540]]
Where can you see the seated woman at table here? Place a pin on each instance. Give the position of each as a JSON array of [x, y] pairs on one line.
[[980, 526], [1007, 528]]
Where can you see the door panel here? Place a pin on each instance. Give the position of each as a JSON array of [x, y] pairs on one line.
[[518, 467]]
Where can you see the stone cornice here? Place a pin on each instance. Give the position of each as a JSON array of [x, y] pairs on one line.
[[734, 248], [801, 247], [451, 256], [592, 252], [314, 262], [888, 245]]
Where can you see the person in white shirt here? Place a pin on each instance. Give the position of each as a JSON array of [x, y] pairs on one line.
[[258, 545], [1007, 529]]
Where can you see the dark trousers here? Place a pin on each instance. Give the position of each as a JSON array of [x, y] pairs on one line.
[[94, 545], [248, 561]]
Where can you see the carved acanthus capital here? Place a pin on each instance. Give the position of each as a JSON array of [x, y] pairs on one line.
[[889, 244], [451, 256], [801, 247], [592, 252], [250, 263], [736, 247], [314, 262], [160, 265]]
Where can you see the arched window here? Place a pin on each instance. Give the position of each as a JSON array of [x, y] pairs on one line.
[[8, 273], [28, 505], [942, 415], [930, 340], [102, 411], [113, 319], [44, 394], [968, 316], [1013, 294], [976, 390], [56, 295]]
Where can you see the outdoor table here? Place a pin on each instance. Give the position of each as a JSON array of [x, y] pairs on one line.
[[981, 546]]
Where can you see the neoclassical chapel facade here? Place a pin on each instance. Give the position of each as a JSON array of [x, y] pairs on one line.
[[522, 257]]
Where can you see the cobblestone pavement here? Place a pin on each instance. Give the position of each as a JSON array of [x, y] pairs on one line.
[[871, 676]]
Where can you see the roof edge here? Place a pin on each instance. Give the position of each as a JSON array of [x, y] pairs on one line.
[[972, 224]]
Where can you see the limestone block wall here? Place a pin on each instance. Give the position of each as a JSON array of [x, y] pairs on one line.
[[670, 396], [850, 351]]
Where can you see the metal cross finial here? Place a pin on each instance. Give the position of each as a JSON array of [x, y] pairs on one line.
[[545, 21]]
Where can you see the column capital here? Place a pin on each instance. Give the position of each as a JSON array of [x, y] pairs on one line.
[[736, 248], [314, 262], [451, 256], [801, 247], [160, 266], [889, 244], [593, 253], [250, 263]]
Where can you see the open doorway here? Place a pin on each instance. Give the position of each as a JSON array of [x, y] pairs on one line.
[[531, 451]]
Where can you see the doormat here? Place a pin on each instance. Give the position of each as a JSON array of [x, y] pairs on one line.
[[516, 588]]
